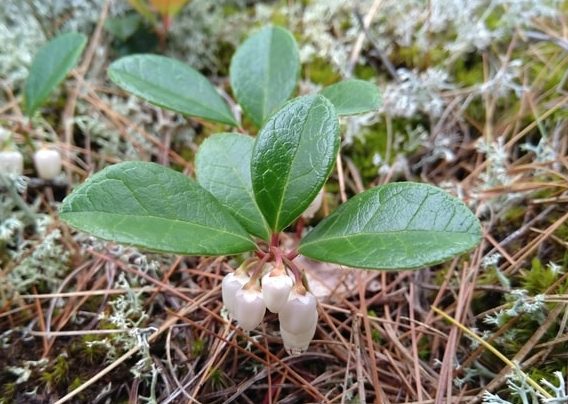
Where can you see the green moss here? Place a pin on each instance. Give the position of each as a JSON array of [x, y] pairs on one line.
[[424, 351], [468, 71], [91, 353], [562, 232], [8, 392], [538, 278], [76, 383], [279, 18], [488, 277], [514, 214], [224, 55], [493, 20], [231, 9], [58, 373], [216, 379], [415, 57], [363, 150], [376, 336], [197, 347], [321, 72], [365, 72], [374, 141]]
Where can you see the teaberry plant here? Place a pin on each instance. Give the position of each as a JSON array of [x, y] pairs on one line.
[[50, 65], [249, 190]]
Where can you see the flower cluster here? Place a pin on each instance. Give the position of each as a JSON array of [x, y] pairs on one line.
[[47, 163], [247, 298]]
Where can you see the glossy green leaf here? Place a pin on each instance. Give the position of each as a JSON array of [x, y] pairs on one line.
[[154, 207], [395, 226], [352, 97], [50, 66], [264, 72], [223, 168], [170, 84], [292, 157]]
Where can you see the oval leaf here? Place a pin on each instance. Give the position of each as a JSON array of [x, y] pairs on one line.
[[170, 84], [292, 157], [264, 71], [352, 97], [50, 66], [154, 207], [223, 168], [395, 226]]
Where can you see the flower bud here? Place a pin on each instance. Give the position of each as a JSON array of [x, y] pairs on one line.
[[313, 207], [298, 343], [275, 290], [299, 314], [11, 162], [47, 163], [249, 308], [229, 287]]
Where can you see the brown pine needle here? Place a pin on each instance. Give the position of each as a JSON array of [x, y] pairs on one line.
[[494, 351]]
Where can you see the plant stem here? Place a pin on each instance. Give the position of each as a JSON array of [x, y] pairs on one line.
[[258, 269], [295, 270], [277, 254], [274, 239], [292, 254]]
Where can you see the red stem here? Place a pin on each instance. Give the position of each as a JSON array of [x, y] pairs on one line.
[[292, 254], [295, 270], [275, 240], [258, 270], [300, 224], [277, 254]]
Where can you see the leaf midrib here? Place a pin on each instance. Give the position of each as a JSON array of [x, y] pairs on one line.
[[248, 191], [160, 218], [287, 183], [173, 94], [265, 87], [394, 232]]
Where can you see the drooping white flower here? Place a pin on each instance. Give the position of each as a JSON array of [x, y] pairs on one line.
[[275, 290], [47, 163], [249, 307], [11, 162], [299, 313], [298, 343], [298, 321], [229, 287]]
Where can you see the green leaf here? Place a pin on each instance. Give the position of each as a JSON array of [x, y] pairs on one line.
[[123, 27], [394, 226], [223, 168], [170, 84], [292, 157], [264, 72], [50, 66], [154, 207], [352, 97]]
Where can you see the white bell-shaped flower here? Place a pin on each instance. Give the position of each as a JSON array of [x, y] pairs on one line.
[[231, 284], [47, 163], [315, 206], [249, 307], [276, 289], [299, 313], [298, 343], [11, 162]]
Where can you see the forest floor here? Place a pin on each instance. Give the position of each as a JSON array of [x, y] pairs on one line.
[[475, 100]]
